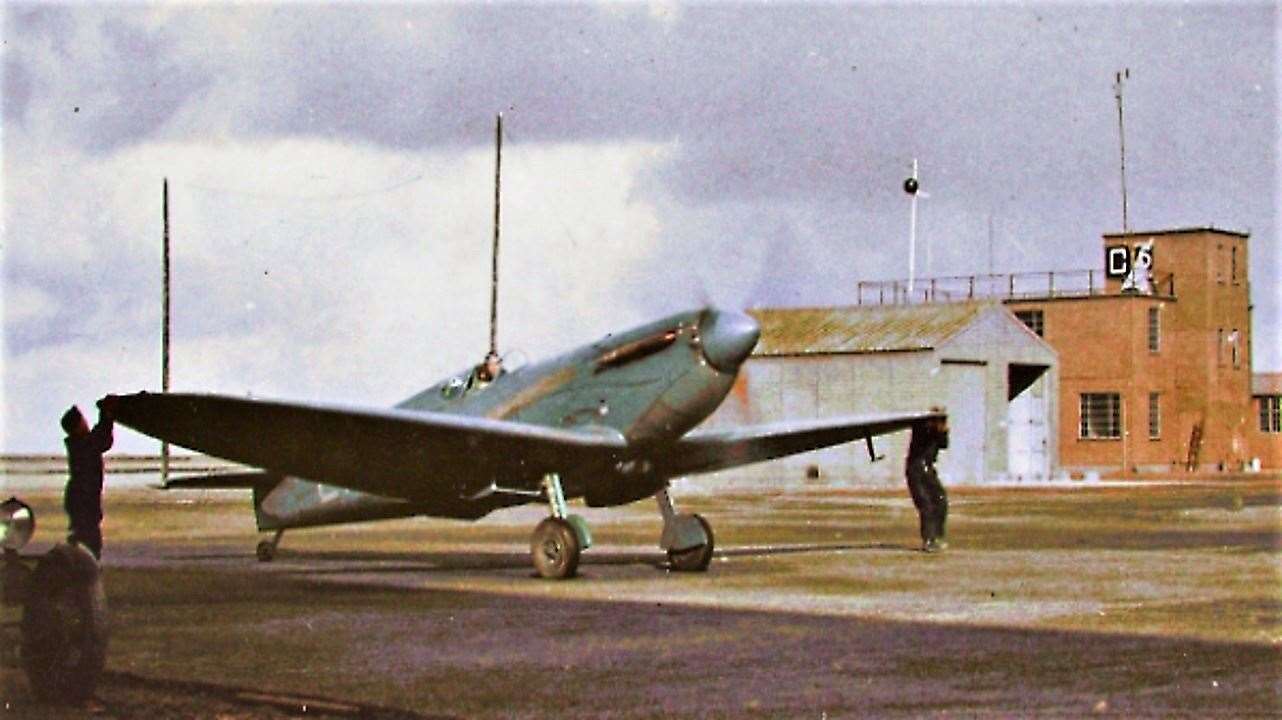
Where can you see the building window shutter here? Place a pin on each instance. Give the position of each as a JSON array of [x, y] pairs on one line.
[[1154, 416], [1271, 413], [1101, 416], [1035, 320]]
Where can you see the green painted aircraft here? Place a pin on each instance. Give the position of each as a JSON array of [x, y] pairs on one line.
[[610, 422]]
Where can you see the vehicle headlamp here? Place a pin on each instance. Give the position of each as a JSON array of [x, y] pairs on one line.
[[17, 524]]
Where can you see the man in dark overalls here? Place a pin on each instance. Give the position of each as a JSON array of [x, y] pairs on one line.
[[928, 438], [83, 497]]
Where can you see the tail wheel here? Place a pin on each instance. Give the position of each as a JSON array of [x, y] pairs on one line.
[[555, 549], [266, 551], [64, 625], [697, 558]]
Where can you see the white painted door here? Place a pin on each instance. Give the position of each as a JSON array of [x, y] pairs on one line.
[[1026, 427]]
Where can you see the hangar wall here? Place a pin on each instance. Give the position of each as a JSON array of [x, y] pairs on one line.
[[845, 365]]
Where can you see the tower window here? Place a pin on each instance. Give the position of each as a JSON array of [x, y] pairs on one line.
[[1101, 416], [1034, 319], [1154, 416], [1271, 413], [1154, 329]]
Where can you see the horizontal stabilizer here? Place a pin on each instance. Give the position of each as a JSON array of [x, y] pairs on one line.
[[221, 481], [710, 451]]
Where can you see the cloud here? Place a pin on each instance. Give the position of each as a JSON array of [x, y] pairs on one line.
[[25, 304], [309, 269], [331, 168]]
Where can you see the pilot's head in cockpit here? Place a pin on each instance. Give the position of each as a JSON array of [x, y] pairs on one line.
[[490, 368]]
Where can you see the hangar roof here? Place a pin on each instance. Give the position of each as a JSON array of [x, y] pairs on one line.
[[861, 329]]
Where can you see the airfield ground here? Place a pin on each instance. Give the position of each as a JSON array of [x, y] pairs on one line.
[[1154, 599]]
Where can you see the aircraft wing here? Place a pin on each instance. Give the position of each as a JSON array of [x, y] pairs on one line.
[[701, 452], [395, 453]]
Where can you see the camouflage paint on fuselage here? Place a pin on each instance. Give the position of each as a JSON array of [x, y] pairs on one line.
[[651, 385], [660, 395]]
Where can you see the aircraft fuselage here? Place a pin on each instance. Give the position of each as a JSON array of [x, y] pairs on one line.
[[650, 385]]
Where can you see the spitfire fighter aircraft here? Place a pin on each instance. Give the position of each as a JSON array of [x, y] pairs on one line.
[[610, 422]]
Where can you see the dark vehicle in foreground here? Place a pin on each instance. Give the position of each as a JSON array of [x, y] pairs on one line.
[[63, 632]]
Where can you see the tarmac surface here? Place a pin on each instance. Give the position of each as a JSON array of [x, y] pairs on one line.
[[1151, 599]]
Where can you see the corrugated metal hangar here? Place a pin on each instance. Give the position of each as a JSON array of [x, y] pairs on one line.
[[996, 378]]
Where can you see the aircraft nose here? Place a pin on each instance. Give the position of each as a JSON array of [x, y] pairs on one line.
[[728, 338]]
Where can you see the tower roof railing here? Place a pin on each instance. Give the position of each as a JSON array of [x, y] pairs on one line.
[[1002, 286]]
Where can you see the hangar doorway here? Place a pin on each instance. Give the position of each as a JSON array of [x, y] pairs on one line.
[[1026, 422]]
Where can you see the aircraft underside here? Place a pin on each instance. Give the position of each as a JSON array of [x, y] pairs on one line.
[[556, 544]]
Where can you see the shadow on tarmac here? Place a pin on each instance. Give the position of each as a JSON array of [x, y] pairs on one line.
[[401, 562], [571, 657]]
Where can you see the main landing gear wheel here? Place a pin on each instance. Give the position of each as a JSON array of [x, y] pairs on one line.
[[555, 548], [695, 559]]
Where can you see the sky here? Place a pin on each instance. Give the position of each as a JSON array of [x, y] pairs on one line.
[[330, 171]]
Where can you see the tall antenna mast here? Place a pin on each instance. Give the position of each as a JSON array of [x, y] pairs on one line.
[[164, 324], [911, 186], [1122, 75], [494, 265], [990, 242]]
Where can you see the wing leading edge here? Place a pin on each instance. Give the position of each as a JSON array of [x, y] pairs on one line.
[[702, 452], [395, 453]]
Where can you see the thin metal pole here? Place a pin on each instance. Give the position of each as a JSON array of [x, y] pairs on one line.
[[1121, 133], [494, 266], [912, 236], [930, 256], [990, 243], [164, 326]]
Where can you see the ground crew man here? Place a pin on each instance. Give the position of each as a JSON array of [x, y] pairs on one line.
[[928, 438], [83, 496]]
